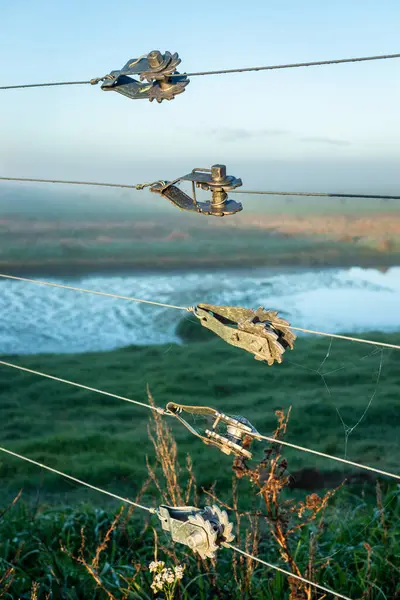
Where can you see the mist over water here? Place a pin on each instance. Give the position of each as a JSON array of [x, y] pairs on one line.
[[38, 319]]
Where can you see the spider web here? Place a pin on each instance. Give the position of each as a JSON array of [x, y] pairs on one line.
[[323, 372]]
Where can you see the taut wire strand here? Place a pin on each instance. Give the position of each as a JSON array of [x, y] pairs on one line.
[[345, 337], [75, 289], [167, 413], [93, 81], [96, 80], [288, 573], [153, 511], [289, 66], [84, 387], [190, 309], [33, 85], [315, 194], [84, 483], [140, 186], [317, 453]]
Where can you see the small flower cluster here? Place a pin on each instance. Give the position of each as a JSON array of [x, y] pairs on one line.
[[155, 566], [179, 571], [165, 578]]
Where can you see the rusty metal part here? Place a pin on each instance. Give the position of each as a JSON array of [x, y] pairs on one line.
[[151, 67], [214, 180], [203, 530], [227, 433], [261, 332], [154, 68], [167, 89]]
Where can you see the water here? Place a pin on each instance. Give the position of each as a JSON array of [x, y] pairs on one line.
[[37, 319]]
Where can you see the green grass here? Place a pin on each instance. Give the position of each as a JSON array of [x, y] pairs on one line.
[[49, 538], [105, 441]]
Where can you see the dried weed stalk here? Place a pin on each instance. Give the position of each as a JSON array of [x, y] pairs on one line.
[[368, 567], [6, 580], [167, 474], [11, 505], [176, 485], [284, 518], [381, 509], [93, 566], [243, 567], [35, 590]]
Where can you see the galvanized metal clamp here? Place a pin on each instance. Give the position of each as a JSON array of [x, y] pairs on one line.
[[156, 69], [261, 332], [214, 180], [203, 530], [231, 435]]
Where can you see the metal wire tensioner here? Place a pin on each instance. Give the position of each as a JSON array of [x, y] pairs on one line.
[[231, 435], [261, 332], [154, 68], [203, 530], [214, 180]]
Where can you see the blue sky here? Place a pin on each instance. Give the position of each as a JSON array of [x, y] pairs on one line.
[[320, 127]]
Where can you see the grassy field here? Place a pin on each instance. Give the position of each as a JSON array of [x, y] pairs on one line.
[[48, 248], [105, 441], [43, 231]]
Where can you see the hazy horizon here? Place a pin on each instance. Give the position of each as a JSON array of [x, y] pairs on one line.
[[319, 127], [313, 174]]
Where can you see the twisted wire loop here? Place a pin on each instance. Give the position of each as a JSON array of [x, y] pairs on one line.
[[141, 186], [76, 480], [192, 309], [93, 81], [290, 65], [288, 573], [135, 186], [84, 387]]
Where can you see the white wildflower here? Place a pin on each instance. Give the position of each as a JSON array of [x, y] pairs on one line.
[[165, 578], [155, 565], [179, 571], [168, 576], [157, 584]]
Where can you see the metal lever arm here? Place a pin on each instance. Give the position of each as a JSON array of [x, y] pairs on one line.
[[229, 441], [262, 333]]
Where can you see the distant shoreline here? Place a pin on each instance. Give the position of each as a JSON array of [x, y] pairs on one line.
[[104, 266]]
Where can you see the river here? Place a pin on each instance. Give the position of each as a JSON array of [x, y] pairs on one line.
[[38, 319]]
